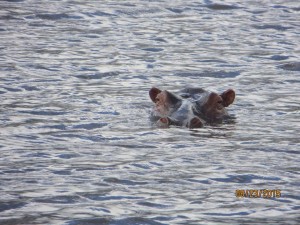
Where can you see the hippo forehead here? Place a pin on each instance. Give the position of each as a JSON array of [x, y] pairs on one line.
[[198, 95], [202, 98]]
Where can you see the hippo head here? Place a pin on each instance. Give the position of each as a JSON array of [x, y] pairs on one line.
[[192, 108], [171, 109], [165, 102], [213, 106]]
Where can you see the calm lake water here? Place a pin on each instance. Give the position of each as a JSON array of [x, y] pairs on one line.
[[77, 146]]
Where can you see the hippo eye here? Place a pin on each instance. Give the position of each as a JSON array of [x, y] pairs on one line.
[[220, 104], [156, 100]]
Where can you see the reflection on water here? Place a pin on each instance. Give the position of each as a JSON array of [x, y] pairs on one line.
[[77, 145]]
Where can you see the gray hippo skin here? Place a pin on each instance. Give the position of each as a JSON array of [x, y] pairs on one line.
[[192, 108]]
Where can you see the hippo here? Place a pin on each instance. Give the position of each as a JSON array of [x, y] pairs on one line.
[[192, 107]]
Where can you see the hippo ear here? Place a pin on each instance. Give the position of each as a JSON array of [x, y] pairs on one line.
[[153, 93], [228, 97]]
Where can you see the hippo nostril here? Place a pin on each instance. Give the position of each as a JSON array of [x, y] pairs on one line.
[[164, 120], [195, 123]]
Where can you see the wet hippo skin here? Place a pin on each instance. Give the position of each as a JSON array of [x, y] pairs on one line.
[[192, 107]]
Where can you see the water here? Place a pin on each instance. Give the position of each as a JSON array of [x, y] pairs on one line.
[[77, 145]]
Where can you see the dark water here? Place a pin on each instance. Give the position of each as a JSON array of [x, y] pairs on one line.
[[76, 143]]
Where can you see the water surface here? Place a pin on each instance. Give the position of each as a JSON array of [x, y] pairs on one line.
[[77, 145]]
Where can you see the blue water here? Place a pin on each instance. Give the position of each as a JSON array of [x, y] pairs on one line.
[[77, 146]]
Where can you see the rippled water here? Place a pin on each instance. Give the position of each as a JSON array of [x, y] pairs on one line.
[[77, 145]]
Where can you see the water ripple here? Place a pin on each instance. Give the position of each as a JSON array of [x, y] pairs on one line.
[[291, 66], [221, 7], [77, 145]]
